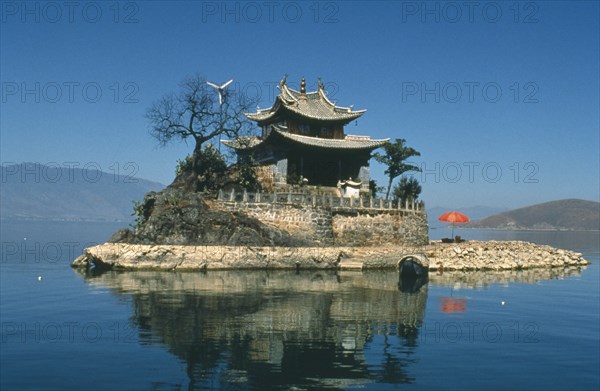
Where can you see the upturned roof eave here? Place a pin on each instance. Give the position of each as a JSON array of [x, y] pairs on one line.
[[271, 113], [290, 100], [308, 141]]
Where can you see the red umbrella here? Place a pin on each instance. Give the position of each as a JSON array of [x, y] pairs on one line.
[[454, 218]]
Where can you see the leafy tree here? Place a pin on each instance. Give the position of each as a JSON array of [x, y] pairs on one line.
[[395, 155], [408, 189], [183, 165], [197, 113], [211, 169], [247, 177], [374, 189]]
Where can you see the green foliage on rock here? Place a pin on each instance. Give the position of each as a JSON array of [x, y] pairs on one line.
[[138, 213], [183, 165], [211, 169], [180, 217], [142, 210], [206, 173]]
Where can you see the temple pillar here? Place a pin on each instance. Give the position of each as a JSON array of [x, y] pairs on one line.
[[280, 173], [364, 176]]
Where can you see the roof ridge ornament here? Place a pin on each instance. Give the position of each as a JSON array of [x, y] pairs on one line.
[[312, 105], [320, 84], [289, 97]]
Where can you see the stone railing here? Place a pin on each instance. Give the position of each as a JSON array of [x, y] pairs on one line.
[[321, 200]]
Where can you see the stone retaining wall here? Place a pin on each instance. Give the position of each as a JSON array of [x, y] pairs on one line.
[[339, 226], [310, 224], [380, 228]]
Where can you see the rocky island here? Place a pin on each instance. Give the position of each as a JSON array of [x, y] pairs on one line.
[[299, 197], [466, 256], [182, 230]]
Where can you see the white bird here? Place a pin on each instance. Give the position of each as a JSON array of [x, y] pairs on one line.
[[220, 89]]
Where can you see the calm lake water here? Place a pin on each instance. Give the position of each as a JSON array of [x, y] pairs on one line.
[[529, 330]]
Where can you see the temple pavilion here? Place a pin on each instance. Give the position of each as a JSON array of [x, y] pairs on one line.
[[303, 141]]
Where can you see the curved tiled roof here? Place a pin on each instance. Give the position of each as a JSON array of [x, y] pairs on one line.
[[350, 142], [313, 105]]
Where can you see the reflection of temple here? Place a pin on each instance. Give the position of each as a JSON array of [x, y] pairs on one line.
[[276, 329], [303, 141]]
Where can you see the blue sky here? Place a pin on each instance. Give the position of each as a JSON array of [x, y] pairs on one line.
[[500, 98]]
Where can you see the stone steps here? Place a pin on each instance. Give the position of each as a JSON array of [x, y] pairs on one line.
[[353, 265]]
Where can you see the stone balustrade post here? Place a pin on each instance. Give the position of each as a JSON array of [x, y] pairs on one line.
[[232, 195], [245, 196]]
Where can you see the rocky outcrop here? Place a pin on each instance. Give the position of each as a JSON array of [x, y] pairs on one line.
[[179, 217], [472, 255]]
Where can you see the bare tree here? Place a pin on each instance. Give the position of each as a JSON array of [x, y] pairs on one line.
[[197, 113]]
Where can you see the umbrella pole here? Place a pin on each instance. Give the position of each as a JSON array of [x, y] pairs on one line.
[[452, 225]]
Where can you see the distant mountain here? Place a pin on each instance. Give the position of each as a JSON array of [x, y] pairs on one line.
[[40, 192], [474, 213], [571, 214]]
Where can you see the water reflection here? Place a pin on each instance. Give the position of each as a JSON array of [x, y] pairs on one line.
[[275, 329], [482, 279], [279, 330]]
